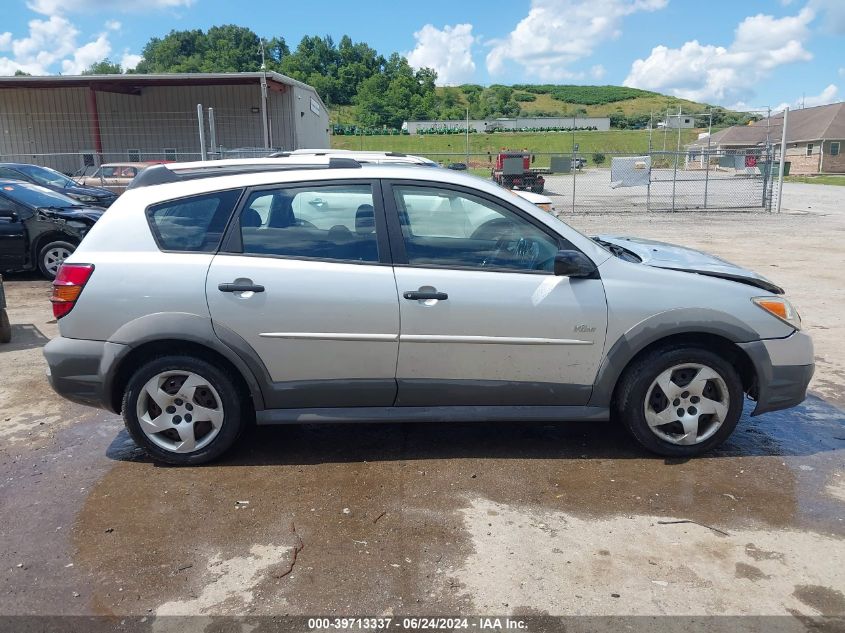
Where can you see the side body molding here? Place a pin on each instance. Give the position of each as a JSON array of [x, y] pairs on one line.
[[656, 327]]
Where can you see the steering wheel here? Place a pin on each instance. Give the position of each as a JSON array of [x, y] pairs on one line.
[[492, 229], [501, 245], [526, 252]]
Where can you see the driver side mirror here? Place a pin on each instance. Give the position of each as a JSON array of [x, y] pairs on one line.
[[574, 264]]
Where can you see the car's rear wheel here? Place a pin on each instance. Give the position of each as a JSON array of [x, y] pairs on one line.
[[52, 256], [680, 401], [183, 410]]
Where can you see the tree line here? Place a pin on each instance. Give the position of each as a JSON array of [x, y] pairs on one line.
[[363, 86]]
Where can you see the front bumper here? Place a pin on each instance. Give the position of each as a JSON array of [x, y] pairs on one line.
[[784, 369], [81, 370]]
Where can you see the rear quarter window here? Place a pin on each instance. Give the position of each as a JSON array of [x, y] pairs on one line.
[[194, 224]]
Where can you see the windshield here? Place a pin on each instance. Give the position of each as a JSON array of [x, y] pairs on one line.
[[46, 176], [36, 196]]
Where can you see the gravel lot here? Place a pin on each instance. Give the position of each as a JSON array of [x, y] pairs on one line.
[[445, 519]]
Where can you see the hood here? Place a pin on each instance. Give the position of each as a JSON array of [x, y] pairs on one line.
[[94, 192], [92, 214], [673, 257]]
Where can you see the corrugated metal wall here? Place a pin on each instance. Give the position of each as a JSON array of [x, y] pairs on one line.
[[52, 126], [38, 122]]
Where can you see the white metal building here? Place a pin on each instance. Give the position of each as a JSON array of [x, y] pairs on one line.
[[66, 122], [518, 123]]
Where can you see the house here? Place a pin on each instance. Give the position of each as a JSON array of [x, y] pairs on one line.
[[70, 122], [814, 140], [675, 121]]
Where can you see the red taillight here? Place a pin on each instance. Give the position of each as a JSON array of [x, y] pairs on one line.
[[68, 285]]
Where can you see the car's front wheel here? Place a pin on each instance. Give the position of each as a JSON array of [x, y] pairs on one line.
[[680, 402], [183, 410], [52, 256]]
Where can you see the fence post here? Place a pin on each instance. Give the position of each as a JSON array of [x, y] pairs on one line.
[[707, 157], [572, 167], [650, 161], [200, 119], [677, 151], [212, 131], [782, 157], [467, 139]]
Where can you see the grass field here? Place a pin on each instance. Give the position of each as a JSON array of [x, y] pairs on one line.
[[439, 147], [544, 103], [818, 180], [638, 105]]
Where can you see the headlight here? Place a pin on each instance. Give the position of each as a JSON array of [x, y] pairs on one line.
[[780, 308]]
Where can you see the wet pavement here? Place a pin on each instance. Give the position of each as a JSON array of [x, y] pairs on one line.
[[438, 519], [376, 518]]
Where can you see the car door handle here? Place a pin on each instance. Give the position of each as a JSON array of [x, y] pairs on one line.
[[235, 287], [418, 295]]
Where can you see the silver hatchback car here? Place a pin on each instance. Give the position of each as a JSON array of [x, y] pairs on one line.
[[277, 291]]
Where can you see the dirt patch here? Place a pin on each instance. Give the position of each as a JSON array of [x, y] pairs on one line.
[[825, 600], [653, 569]]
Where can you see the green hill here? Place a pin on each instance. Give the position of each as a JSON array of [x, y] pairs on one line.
[[626, 107]]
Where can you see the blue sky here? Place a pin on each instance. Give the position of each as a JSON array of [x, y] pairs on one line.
[[744, 54]]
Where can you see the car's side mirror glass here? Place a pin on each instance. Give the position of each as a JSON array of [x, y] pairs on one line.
[[574, 264]]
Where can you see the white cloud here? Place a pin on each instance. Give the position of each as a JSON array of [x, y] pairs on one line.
[[834, 14], [86, 55], [448, 51], [51, 44], [130, 60], [826, 96], [707, 72], [557, 33], [598, 71], [842, 72], [113, 25], [52, 7]]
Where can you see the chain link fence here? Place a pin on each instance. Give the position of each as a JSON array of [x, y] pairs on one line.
[[656, 169], [629, 182]]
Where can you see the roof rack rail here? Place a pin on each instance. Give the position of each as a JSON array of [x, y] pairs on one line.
[[163, 174]]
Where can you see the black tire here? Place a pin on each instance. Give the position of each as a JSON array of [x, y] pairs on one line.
[[44, 256], [537, 188], [632, 390], [233, 403], [5, 327]]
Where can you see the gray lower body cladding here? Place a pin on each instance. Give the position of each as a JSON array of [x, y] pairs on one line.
[[81, 370]]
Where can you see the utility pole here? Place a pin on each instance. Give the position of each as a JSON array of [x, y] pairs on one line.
[[264, 122]]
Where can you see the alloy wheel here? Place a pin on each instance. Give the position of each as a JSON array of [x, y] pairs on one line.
[[54, 258], [686, 404], [180, 411]]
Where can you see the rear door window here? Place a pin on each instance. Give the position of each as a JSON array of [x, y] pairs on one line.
[[334, 222], [193, 224]]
